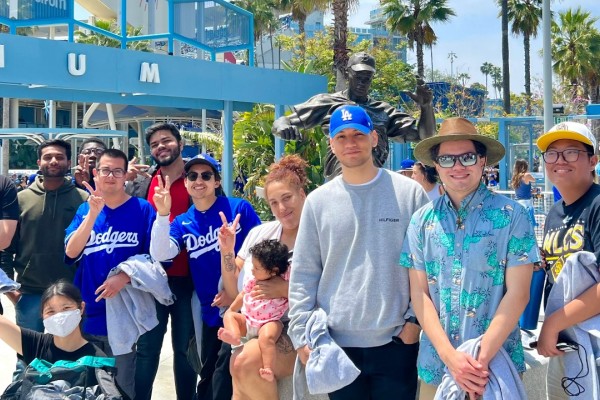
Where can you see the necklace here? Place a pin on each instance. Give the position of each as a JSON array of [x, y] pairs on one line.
[[460, 215]]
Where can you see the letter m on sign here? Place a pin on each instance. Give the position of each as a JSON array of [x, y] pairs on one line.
[[149, 73]]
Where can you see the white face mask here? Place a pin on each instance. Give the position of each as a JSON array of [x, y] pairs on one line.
[[63, 323]]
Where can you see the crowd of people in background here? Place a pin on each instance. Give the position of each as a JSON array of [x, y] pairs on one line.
[[389, 277]]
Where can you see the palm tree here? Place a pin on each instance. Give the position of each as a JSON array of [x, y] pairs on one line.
[[463, 77], [575, 47], [525, 16], [496, 75], [505, 56], [486, 69], [340, 9], [300, 10], [413, 18], [263, 18]]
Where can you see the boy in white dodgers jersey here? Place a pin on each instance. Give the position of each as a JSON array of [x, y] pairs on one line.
[[111, 227]]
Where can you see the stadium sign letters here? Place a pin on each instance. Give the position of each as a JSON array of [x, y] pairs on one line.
[[77, 66]]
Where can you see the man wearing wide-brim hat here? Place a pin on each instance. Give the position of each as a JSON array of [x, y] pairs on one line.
[[471, 255]]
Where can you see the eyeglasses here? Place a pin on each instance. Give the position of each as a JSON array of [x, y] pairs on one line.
[[193, 176], [466, 160], [96, 150], [569, 155], [117, 172]]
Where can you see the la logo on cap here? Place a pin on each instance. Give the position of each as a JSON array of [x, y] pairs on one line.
[[346, 115]]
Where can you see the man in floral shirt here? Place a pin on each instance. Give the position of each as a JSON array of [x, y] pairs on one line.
[[471, 255]]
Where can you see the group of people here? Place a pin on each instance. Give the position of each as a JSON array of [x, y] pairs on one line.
[[389, 279]]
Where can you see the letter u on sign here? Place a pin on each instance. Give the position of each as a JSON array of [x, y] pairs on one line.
[[1, 56], [74, 68]]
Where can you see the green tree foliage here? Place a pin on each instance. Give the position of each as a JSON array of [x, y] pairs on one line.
[[393, 75], [22, 156], [414, 18], [576, 52], [103, 40]]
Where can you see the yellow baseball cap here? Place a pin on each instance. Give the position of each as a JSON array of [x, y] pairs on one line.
[[567, 130]]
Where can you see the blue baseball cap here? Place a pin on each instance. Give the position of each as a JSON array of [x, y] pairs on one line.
[[406, 165], [203, 159], [350, 117]]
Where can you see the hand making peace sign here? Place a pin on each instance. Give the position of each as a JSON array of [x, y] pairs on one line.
[[162, 196], [227, 233], [134, 169], [96, 199], [81, 172]]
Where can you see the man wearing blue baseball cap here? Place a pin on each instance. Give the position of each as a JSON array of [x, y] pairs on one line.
[[349, 241]]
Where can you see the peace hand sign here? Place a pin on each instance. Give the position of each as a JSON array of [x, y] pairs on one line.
[[96, 200], [81, 172], [227, 233], [134, 169], [162, 196]]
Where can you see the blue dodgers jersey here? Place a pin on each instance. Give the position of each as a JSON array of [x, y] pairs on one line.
[[117, 235], [198, 233]]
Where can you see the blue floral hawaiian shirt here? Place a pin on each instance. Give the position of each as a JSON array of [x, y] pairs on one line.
[[465, 255]]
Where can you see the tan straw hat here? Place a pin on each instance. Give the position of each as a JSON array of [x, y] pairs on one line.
[[454, 129]]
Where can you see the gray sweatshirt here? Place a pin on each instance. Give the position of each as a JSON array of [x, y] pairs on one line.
[[346, 260]]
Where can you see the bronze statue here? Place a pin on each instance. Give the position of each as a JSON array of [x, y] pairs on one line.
[[388, 121]]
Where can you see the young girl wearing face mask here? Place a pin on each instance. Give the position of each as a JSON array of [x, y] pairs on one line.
[[62, 310]]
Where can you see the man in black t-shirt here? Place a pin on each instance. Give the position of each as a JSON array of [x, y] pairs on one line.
[[572, 224], [9, 213], [568, 152]]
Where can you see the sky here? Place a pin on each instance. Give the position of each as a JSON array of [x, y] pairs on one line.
[[475, 36]]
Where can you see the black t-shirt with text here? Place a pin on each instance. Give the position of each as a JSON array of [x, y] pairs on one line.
[[572, 228], [41, 345]]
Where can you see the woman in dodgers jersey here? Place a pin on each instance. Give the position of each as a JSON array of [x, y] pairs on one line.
[[197, 231]]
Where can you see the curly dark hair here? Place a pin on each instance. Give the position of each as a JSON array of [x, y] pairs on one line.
[[273, 255], [291, 169]]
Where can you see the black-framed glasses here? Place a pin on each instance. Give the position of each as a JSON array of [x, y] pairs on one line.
[[205, 176], [569, 155], [448, 161], [117, 172], [96, 150]]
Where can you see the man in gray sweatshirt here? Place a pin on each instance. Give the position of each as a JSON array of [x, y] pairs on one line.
[[346, 263]]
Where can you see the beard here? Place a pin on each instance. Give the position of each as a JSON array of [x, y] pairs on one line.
[[58, 173], [170, 159]]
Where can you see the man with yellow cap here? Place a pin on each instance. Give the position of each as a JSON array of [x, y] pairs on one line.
[[470, 255], [572, 224]]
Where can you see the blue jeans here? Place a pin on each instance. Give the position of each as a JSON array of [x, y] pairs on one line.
[[182, 330], [28, 312], [388, 371]]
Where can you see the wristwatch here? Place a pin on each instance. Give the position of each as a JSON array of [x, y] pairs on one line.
[[413, 320]]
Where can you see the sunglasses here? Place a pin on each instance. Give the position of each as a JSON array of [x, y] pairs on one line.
[[466, 160], [205, 176]]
